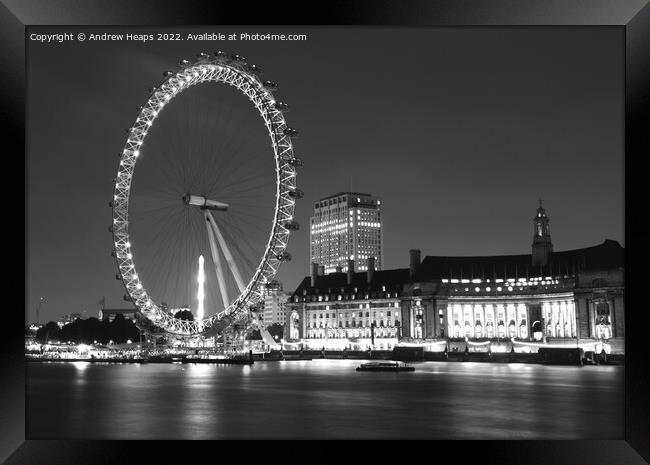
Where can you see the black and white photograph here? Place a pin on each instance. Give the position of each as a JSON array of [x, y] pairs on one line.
[[326, 232]]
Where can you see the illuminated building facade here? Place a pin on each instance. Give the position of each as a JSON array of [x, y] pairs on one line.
[[347, 310], [275, 301], [573, 297], [346, 226]]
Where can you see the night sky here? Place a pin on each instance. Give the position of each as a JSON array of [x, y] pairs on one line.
[[458, 130]]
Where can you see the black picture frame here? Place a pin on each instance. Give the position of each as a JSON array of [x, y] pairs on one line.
[[632, 15]]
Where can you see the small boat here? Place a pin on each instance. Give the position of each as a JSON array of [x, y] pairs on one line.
[[385, 366]]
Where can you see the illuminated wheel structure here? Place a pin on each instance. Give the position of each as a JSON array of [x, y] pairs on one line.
[[198, 208]]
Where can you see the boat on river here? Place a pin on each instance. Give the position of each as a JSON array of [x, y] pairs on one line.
[[385, 366]]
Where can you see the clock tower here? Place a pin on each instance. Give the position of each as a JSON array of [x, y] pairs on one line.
[[542, 245]]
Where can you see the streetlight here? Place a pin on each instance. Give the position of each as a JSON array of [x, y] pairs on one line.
[[38, 311]]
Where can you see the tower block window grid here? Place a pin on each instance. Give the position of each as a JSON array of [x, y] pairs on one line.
[[346, 226]]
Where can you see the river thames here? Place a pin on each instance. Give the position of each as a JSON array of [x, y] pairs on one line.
[[324, 399]]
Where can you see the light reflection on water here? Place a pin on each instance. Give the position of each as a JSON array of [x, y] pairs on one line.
[[323, 399]]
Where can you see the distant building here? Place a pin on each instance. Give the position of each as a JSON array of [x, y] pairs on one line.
[[346, 226], [545, 297], [111, 313], [69, 318], [275, 301]]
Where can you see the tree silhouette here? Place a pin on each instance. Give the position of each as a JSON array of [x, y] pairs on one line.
[[80, 331], [184, 315], [47, 332]]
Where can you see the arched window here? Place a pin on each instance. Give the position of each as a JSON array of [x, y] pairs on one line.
[[478, 329], [512, 329], [501, 330], [418, 332], [523, 331], [603, 326], [602, 312], [489, 330]]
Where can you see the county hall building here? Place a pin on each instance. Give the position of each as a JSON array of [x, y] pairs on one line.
[[545, 297]]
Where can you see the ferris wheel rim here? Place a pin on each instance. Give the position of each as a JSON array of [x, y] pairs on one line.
[[217, 70]]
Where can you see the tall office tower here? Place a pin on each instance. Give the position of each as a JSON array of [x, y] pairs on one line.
[[346, 226]]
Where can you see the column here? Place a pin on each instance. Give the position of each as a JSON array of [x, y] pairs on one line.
[[562, 318], [546, 314], [555, 318], [522, 314], [592, 318]]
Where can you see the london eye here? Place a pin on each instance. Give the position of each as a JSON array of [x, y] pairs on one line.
[[203, 224]]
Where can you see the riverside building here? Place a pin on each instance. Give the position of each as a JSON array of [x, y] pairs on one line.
[[566, 298], [275, 300], [346, 226]]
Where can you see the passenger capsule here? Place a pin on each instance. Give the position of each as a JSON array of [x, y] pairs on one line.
[[168, 73], [184, 62], [152, 89], [220, 54], [255, 69], [270, 85], [292, 225], [201, 55], [238, 58], [110, 228], [127, 297], [291, 132], [111, 204], [296, 194], [112, 253], [281, 106], [284, 256], [293, 161], [118, 277]]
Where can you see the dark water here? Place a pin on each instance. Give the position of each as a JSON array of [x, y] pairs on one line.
[[323, 399]]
